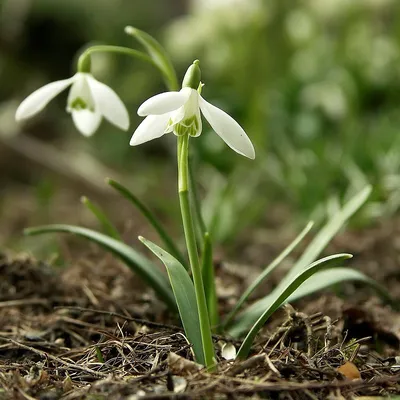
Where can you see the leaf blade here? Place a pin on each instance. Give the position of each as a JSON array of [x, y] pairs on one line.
[[185, 297], [104, 221], [133, 259], [168, 241], [329, 277], [267, 271], [209, 281], [280, 297], [328, 231], [245, 320]]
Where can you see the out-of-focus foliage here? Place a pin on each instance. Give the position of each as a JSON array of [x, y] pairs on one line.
[[315, 84]]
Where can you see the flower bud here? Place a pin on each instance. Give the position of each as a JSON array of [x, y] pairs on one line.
[[192, 76]]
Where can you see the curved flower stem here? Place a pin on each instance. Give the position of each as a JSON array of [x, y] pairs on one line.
[[84, 58], [187, 218], [158, 54]]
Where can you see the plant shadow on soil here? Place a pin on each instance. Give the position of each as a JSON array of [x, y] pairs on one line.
[[91, 330]]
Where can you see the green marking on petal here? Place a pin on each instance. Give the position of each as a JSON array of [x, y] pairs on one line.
[[189, 126], [79, 104]]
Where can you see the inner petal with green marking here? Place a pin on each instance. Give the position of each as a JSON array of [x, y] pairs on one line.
[[79, 104]]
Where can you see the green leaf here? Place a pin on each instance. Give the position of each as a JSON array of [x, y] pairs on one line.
[[134, 260], [107, 225], [246, 319], [209, 281], [158, 54], [326, 234], [201, 229], [267, 271], [279, 297], [185, 297], [331, 277], [168, 241]]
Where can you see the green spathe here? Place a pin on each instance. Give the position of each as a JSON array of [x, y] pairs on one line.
[[192, 76]]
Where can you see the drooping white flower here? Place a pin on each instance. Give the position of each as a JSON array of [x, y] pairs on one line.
[[88, 101], [179, 112]]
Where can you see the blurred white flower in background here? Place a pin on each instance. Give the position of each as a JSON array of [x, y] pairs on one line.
[[202, 5], [88, 102], [376, 56], [328, 96], [210, 21], [384, 55], [300, 26]]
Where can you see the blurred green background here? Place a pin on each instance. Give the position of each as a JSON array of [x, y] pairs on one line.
[[315, 84]]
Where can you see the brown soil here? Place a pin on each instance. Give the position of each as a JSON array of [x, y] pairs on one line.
[[91, 331]]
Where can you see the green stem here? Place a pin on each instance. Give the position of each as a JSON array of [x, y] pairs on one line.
[[187, 218], [83, 62]]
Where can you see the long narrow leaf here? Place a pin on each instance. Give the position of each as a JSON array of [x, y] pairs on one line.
[[134, 260], [331, 277], [267, 271], [280, 297], [168, 241], [326, 234], [185, 296], [209, 281], [201, 229], [158, 54], [246, 319], [107, 225]]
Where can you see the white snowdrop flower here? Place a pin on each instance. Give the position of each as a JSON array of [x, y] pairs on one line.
[[88, 102], [179, 112]]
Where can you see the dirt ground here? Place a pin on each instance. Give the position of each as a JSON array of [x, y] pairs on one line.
[[92, 331]]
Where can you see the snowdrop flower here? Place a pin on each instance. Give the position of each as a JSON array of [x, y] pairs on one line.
[[179, 112], [88, 101]]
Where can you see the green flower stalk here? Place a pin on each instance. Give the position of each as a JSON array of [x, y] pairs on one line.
[[190, 236]]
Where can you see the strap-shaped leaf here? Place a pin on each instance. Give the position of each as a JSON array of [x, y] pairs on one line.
[[246, 319], [209, 281], [201, 229], [326, 234], [185, 297], [280, 297], [168, 242], [105, 222], [330, 277], [134, 260], [267, 271]]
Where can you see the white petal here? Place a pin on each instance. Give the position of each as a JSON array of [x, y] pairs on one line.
[[40, 98], [228, 129], [151, 128], [228, 351], [86, 121], [164, 102], [198, 116], [80, 89], [109, 104]]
